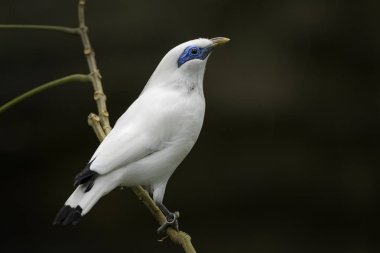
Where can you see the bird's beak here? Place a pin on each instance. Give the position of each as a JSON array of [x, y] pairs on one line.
[[219, 41]]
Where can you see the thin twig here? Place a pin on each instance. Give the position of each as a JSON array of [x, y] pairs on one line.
[[99, 95], [95, 122], [178, 237], [63, 80], [64, 29]]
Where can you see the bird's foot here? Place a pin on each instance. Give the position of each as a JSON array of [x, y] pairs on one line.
[[171, 221]]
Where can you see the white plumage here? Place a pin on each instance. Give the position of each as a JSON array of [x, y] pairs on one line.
[[153, 136]]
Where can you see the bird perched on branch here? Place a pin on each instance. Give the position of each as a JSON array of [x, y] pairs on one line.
[[152, 137]]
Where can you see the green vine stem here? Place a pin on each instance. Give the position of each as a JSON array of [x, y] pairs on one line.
[[67, 79], [64, 29]]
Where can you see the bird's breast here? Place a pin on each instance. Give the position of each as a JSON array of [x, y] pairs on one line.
[[176, 116]]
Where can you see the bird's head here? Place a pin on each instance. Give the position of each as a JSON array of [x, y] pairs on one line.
[[195, 53], [186, 61]]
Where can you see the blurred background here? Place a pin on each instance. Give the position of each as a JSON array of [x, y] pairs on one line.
[[288, 156]]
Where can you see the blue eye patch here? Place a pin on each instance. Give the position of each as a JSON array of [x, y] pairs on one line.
[[193, 52]]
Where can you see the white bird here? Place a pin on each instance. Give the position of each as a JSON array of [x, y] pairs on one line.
[[152, 137]]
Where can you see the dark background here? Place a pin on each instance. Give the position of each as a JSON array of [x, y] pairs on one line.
[[288, 154]]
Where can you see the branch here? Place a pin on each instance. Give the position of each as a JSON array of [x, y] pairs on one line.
[[94, 122], [64, 29], [39, 89], [99, 95], [178, 237], [102, 127]]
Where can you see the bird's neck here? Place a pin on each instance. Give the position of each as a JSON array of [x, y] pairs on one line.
[[188, 82], [182, 81]]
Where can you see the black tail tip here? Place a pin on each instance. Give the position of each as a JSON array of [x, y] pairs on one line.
[[68, 216]]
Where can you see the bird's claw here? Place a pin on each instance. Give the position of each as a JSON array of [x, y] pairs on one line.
[[171, 221]]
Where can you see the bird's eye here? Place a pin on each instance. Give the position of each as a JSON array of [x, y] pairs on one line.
[[194, 51]]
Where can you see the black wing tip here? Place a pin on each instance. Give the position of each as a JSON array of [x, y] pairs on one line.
[[86, 176], [90, 184], [68, 216]]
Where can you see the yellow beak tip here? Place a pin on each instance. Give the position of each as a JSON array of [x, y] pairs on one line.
[[219, 41]]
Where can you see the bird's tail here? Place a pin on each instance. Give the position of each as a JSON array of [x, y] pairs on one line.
[[81, 201], [71, 212]]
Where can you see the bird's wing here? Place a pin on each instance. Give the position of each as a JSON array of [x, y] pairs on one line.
[[126, 143], [146, 127]]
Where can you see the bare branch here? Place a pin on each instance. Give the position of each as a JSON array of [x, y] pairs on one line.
[[64, 29], [94, 122], [99, 95], [178, 237], [39, 89]]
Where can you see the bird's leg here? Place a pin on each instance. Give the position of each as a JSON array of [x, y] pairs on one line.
[[171, 219]]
